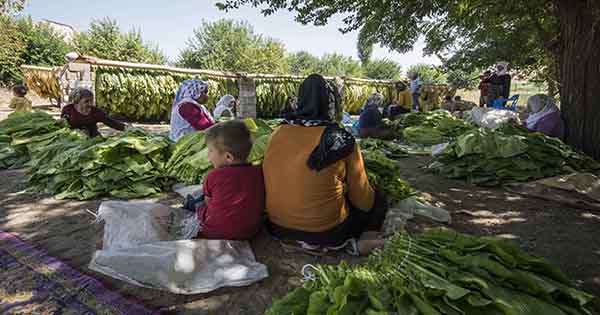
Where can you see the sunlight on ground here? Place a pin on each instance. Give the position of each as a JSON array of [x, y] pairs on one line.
[[484, 217], [507, 236], [587, 215], [8, 298]]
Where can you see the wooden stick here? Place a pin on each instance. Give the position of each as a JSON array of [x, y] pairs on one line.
[[28, 67]]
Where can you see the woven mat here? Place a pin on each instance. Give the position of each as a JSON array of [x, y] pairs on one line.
[[32, 282]]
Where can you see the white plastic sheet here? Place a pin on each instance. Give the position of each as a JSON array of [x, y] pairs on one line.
[[147, 244], [491, 118], [182, 267]]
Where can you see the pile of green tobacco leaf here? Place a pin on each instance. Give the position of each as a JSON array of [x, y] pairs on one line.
[[384, 176], [509, 153], [129, 164], [20, 131], [438, 272], [430, 128], [389, 148], [189, 162]]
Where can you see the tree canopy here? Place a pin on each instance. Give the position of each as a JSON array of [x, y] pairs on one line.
[[10, 6], [233, 46], [24, 42], [104, 39], [382, 69], [549, 39]]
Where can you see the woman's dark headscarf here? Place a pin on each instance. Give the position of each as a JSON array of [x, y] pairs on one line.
[[318, 101]]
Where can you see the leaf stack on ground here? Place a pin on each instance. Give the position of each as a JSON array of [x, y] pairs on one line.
[[508, 154], [21, 131], [430, 128], [129, 164], [438, 272]]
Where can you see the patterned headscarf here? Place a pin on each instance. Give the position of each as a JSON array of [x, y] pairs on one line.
[[225, 101], [318, 102], [504, 66], [375, 100], [539, 106], [190, 91], [79, 93]]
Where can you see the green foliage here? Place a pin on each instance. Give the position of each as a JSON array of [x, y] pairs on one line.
[[43, 46], [364, 46], [461, 79], [11, 49], [429, 74], [303, 63], [233, 46], [104, 39], [466, 34], [8, 7], [383, 69], [25, 42], [338, 65], [438, 272]]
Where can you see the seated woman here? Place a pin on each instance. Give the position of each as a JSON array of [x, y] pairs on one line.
[[225, 107], [317, 191], [544, 116], [187, 113], [395, 110], [81, 113], [290, 107], [371, 119]]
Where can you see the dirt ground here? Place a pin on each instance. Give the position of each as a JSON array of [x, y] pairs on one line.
[[566, 236]]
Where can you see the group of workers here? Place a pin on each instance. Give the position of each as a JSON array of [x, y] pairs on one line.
[[312, 181]]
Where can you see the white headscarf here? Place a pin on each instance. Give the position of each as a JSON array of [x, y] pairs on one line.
[[504, 66], [223, 105], [540, 105], [189, 91]]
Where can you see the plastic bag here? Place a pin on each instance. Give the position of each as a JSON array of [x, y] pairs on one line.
[[131, 223], [182, 267], [147, 244]]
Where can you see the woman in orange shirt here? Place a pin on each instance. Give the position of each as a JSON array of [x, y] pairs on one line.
[[318, 195]]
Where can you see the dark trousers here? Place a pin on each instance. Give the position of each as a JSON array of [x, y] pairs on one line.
[[357, 222]]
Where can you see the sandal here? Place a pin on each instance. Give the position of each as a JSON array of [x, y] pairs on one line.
[[298, 246]]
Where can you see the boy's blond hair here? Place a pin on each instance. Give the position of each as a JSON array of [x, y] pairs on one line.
[[231, 136]]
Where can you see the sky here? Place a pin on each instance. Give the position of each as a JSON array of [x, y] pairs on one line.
[[169, 23]]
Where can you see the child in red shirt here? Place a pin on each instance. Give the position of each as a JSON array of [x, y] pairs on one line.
[[234, 190]]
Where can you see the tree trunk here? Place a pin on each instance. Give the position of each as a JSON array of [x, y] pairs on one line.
[[580, 72]]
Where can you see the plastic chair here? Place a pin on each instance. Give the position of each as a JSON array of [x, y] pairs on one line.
[[500, 103]]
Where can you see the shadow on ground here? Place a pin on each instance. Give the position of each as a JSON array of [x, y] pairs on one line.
[[565, 236]]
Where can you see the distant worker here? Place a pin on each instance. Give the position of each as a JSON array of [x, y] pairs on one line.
[[290, 107], [544, 116], [415, 90], [484, 89], [81, 113], [370, 123], [19, 102], [225, 107], [500, 82], [187, 113]]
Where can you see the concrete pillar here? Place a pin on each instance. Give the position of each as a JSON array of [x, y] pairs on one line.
[[247, 98], [75, 75]]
